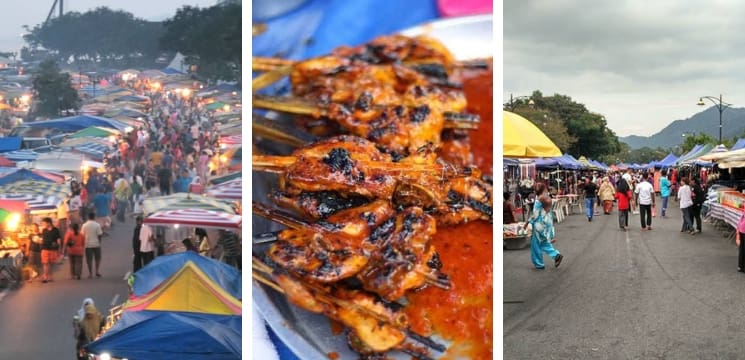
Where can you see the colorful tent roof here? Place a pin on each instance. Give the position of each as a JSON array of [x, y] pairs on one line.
[[38, 188], [667, 161], [738, 145], [187, 290], [166, 335], [231, 189], [78, 122], [9, 175], [37, 204], [160, 269], [195, 218], [10, 143], [223, 178], [94, 131], [231, 140], [21, 155], [185, 201]]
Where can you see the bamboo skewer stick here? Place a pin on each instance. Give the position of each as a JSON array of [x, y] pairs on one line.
[[278, 135], [453, 120], [259, 63], [322, 295], [269, 78], [279, 164]]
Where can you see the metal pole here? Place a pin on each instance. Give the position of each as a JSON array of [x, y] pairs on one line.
[[721, 109]]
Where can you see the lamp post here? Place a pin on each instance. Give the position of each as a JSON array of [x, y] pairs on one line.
[[512, 101], [721, 106]]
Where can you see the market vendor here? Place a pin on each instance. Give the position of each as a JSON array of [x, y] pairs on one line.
[[508, 215]]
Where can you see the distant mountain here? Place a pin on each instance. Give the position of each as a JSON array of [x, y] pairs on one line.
[[707, 121]]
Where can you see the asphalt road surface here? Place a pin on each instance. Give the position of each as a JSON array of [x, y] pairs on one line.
[[36, 319], [658, 294]]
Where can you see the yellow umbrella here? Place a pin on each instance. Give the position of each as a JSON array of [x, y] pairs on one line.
[[523, 139]]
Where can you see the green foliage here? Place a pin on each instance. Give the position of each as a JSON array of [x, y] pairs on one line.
[[551, 125], [53, 92], [587, 133], [210, 38], [691, 140], [102, 35]]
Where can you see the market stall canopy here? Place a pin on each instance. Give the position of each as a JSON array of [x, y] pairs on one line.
[[11, 206], [37, 204], [179, 201], [691, 159], [187, 290], [125, 111], [217, 105], [39, 188], [740, 144], [223, 178], [586, 163], [715, 156], [94, 131], [10, 143], [195, 218], [77, 123], [9, 175], [231, 140], [231, 189], [523, 139], [168, 335], [689, 153], [133, 98], [667, 161], [21, 155], [160, 269]]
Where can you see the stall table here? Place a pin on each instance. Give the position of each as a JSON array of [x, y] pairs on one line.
[[11, 262]]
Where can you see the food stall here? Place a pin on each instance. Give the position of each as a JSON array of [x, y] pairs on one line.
[[13, 246]]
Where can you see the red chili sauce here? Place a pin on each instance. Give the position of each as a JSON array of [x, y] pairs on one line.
[[463, 315]]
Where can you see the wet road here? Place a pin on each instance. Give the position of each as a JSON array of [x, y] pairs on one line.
[[36, 319], [658, 294]]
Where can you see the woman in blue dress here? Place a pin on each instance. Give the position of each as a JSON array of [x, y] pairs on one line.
[[543, 229]]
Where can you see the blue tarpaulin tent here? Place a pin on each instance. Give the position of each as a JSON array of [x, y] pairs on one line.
[[160, 269], [10, 143], [666, 162], [16, 175], [77, 123], [738, 145], [167, 335]]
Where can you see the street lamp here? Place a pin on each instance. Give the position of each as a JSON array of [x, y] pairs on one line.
[[531, 103], [721, 106]]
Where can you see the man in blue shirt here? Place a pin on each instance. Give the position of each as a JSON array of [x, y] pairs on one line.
[[664, 191], [102, 204]]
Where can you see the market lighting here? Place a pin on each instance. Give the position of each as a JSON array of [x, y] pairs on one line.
[[25, 98], [175, 226], [226, 108], [105, 356], [11, 224], [185, 92]]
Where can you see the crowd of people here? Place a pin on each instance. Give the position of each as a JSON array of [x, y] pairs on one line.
[[633, 194]]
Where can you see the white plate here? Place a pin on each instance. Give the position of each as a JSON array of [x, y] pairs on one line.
[[309, 335]]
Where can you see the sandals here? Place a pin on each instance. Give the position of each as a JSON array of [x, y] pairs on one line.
[[557, 260]]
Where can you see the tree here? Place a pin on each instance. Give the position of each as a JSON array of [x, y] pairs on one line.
[[551, 125], [209, 38], [593, 137], [53, 91], [694, 139], [114, 38]]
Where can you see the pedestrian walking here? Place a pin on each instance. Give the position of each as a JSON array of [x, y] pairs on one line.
[[88, 329], [699, 196], [606, 194], [62, 216], [147, 244], [685, 198], [102, 203], [51, 243], [543, 230], [34, 253], [740, 241], [590, 190], [664, 192], [75, 243], [136, 244], [645, 197], [92, 232], [623, 198]]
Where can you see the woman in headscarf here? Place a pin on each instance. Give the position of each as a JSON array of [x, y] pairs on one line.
[[606, 195], [88, 327], [623, 196], [543, 229]]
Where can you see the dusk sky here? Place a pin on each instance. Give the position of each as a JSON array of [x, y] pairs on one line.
[[641, 64], [15, 14]]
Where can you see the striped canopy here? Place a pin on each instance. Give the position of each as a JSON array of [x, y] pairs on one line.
[[95, 150], [37, 204], [231, 140], [223, 178], [181, 201], [60, 191], [21, 155], [195, 218], [228, 190]]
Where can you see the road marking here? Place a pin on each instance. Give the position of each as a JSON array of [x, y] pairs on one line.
[[126, 276], [114, 300]]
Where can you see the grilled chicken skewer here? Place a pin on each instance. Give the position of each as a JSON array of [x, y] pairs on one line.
[[388, 252], [376, 326]]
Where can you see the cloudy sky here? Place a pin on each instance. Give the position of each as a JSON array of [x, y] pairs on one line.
[[14, 14], [642, 64]]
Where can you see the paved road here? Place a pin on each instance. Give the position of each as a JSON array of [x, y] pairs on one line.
[[657, 294], [36, 320]]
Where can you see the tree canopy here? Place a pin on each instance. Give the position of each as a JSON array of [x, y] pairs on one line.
[[100, 35], [569, 124], [53, 91], [209, 38], [691, 140]]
